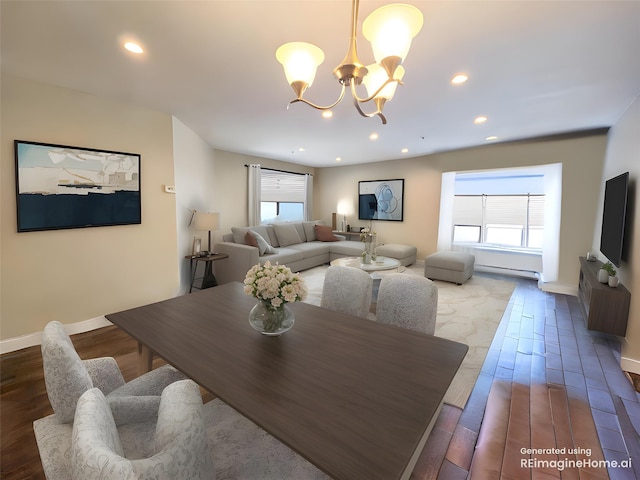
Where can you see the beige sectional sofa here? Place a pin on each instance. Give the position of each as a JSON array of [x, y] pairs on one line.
[[294, 244]]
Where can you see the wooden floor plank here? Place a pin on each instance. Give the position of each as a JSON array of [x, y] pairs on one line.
[[23, 395]]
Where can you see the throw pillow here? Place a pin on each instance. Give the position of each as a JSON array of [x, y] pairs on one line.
[[325, 234], [239, 233], [254, 239], [309, 229], [250, 239], [287, 234]]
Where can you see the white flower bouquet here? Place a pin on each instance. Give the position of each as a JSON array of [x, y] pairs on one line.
[[274, 284]]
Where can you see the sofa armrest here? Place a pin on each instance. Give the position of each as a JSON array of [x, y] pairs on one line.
[[241, 259]]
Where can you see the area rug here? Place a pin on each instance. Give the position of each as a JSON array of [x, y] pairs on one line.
[[468, 314]]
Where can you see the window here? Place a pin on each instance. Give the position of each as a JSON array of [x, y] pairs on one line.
[[288, 211], [282, 195], [505, 220]]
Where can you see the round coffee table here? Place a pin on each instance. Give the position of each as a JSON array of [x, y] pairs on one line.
[[381, 263]]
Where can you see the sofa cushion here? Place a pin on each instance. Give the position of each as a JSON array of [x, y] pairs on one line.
[[287, 234], [311, 249], [347, 248], [309, 229], [240, 232], [324, 233], [254, 239], [283, 256]]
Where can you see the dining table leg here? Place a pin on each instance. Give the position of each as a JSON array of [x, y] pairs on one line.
[[145, 359]]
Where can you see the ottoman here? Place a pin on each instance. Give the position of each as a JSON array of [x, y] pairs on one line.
[[405, 254], [456, 267]]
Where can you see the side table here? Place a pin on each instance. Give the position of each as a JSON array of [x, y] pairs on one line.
[[349, 235], [208, 279]]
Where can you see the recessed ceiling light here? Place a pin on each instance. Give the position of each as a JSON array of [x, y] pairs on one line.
[[133, 47], [459, 78], [373, 136], [405, 150], [491, 137], [480, 119], [327, 113], [301, 149], [338, 159]]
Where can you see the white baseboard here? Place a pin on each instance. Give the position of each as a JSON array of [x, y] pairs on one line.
[[24, 341], [560, 288], [630, 365]]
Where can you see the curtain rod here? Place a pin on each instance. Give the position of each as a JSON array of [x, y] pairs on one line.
[[281, 171]]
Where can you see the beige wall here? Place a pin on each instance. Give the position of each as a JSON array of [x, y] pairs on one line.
[[623, 155], [79, 274], [581, 158], [194, 168], [230, 184]]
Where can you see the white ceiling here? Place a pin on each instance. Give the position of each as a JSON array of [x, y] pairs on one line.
[[536, 68]]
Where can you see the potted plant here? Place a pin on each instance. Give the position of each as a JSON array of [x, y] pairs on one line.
[[612, 280], [606, 270]]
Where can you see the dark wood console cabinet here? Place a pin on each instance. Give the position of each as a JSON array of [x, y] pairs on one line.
[[606, 309]]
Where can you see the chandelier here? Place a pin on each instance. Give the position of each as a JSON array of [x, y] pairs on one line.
[[390, 30]]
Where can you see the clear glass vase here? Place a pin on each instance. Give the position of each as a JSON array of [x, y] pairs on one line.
[[369, 247], [269, 321]]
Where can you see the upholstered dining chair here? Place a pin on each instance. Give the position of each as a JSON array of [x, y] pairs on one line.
[[408, 301], [67, 377], [180, 449], [347, 290]]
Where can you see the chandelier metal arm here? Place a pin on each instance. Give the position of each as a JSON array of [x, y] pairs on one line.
[[300, 60], [378, 111], [371, 97], [320, 107]]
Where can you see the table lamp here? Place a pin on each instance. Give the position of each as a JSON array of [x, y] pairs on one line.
[[206, 222]]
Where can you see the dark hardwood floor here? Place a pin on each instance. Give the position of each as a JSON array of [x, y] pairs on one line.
[[535, 323]]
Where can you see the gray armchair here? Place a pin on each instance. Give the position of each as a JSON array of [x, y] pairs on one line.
[[347, 290], [180, 449], [408, 301], [67, 377]]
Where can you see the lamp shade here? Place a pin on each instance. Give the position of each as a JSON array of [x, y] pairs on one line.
[[206, 221], [390, 30], [300, 61], [376, 77]]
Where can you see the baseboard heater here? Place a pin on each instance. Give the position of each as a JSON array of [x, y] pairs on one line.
[[507, 271]]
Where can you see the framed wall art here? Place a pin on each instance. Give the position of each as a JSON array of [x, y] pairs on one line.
[[381, 200], [59, 186]]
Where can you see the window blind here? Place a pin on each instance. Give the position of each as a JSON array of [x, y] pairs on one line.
[[281, 186]]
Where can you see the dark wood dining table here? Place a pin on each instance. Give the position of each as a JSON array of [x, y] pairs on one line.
[[354, 397]]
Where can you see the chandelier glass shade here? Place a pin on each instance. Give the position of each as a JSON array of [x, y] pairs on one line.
[[390, 30]]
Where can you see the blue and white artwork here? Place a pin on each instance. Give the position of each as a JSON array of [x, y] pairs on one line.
[[70, 187], [381, 200]]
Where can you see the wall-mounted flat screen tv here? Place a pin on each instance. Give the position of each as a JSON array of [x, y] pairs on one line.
[[613, 218]]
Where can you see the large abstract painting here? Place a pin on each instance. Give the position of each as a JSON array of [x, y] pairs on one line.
[[60, 187], [381, 200]]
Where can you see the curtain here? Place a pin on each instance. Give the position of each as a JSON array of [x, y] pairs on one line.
[[308, 197], [445, 228], [254, 195], [552, 213]]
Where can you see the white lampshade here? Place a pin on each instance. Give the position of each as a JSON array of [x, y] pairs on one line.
[[390, 30], [206, 221], [300, 61], [376, 76]]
